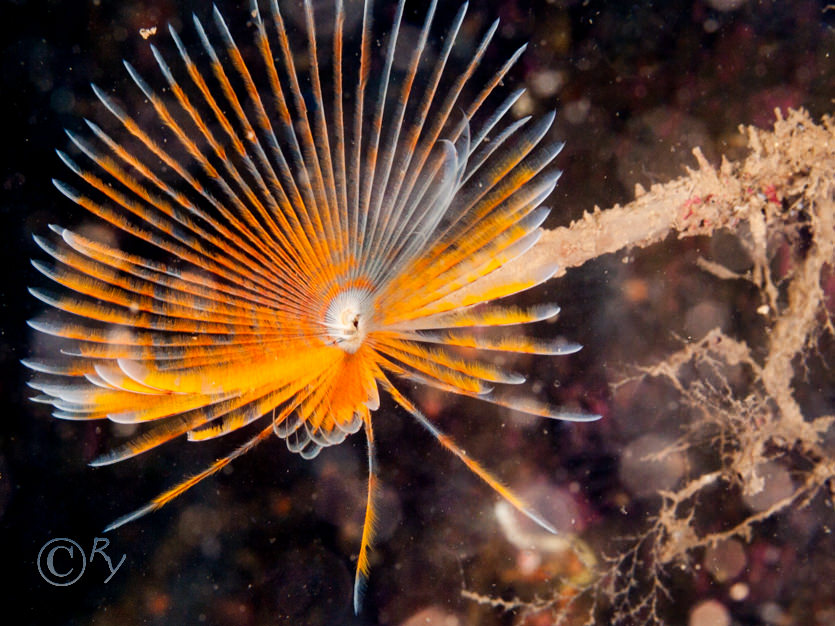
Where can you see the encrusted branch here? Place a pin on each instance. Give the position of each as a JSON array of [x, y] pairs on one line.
[[782, 196], [781, 164]]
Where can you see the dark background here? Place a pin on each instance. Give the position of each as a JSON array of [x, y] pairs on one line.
[[636, 86]]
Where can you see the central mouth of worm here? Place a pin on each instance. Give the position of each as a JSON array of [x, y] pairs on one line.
[[347, 319]]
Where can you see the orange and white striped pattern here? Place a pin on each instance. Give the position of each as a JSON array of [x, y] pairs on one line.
[[296, 241]]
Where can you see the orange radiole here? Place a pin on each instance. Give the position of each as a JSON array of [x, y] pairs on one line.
[[297, 241]]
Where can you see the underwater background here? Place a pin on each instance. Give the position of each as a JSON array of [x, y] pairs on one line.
[[272, 539]]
